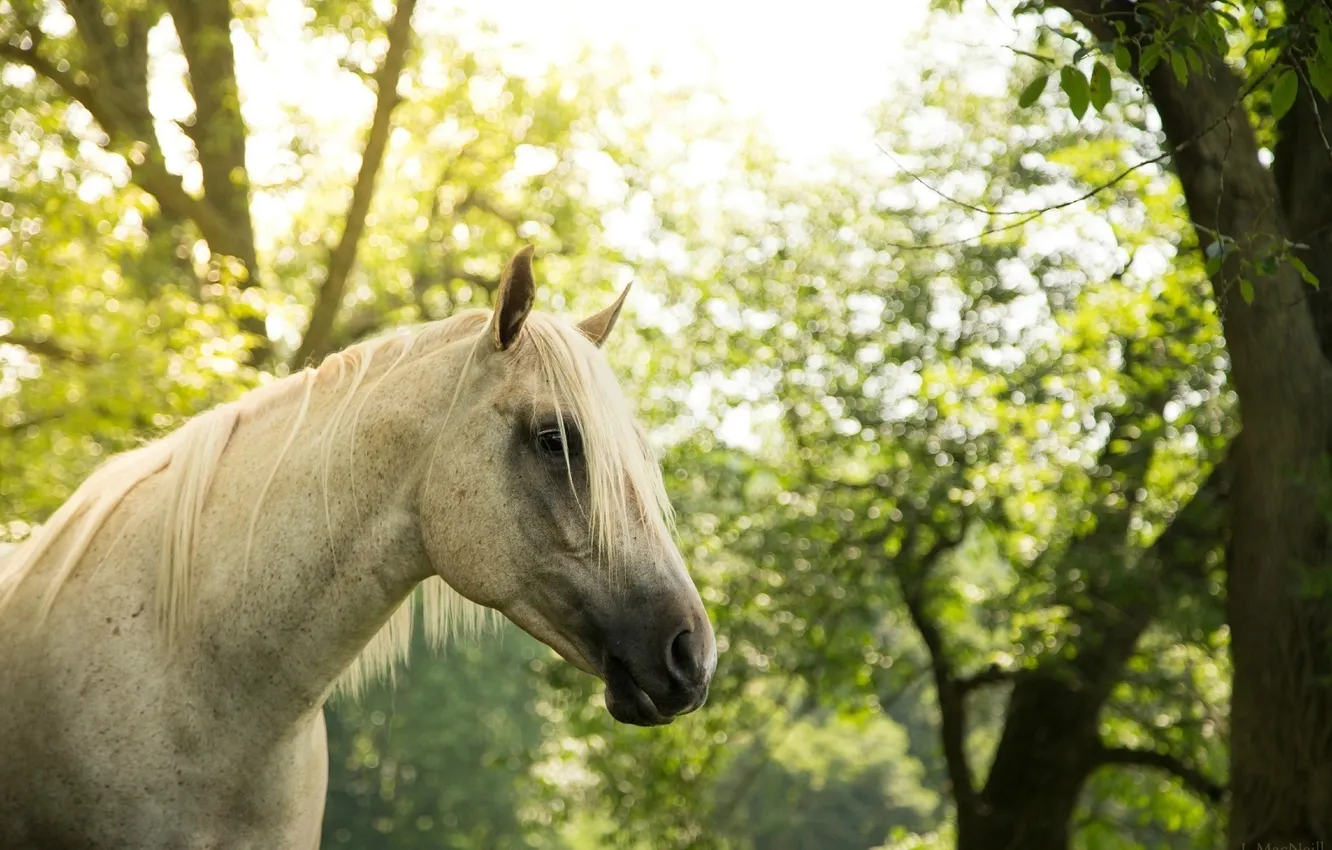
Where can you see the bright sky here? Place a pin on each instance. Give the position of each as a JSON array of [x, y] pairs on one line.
[[809, 71]]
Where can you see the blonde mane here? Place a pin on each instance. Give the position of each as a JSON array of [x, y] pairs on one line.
[[626, 488]]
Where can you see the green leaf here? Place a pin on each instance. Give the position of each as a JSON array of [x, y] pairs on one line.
[[1033, 91], [1123, 59], [1246, 290], [1320, 74], [1309, 277], [1074, 83], [1217, 31], [1195, 60], [1100, 86], [1180, 66], [1151, 54], [1283, 92], [1213, 265]]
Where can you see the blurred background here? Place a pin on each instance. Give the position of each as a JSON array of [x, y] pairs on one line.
[[923, 451]]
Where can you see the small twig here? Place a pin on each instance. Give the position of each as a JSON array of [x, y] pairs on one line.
[[32, 422], [1032, 215], [949, 198], [1313, 102]]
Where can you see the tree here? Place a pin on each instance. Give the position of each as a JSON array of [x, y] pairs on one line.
[[1233, 84], [134, 291], [978, 466], [142, 318], [980, 534]]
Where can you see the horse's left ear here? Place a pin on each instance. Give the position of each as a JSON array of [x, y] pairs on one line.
[[598, 326], [513, 299]]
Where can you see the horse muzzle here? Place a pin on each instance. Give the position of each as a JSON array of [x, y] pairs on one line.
[[650, 683]]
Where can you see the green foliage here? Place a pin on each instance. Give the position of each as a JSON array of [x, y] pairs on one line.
[[1033, 91], [1279, 48], [445, 758], [1284, 90], [1074, 84], [104, 340], [1100, 92], [833, 401], [828, 783], [878, 402]]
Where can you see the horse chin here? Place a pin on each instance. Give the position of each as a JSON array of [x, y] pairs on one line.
[[626, 701], [634, 707]]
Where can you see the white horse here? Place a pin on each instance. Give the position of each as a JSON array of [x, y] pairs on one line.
[[168, 639]]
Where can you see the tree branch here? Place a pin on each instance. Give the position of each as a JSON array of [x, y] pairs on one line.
[[115, 94], [1101, 28], [117, 69], [219, 135], [991, 675], [952, 709], [152, 176], [314, 344], [31, 422], [1192, 777], [50, 348], [486, 205], [150, 171], [1180, 552], [480, 281], [65, 80], [118, 59], [1303, 169], [218, 131]]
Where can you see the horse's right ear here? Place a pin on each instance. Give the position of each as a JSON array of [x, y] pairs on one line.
[[513, 299]]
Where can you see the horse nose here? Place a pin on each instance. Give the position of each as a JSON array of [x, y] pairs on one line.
[[689, 659]]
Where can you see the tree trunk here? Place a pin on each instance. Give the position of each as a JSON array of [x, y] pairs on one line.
[[1043, 758], [217, 130], [1281, 713], [1303, 169], [1281, 706], [113, 87], [1051, 739]]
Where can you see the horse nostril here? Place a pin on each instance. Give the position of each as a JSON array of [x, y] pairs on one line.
[[683, 659]]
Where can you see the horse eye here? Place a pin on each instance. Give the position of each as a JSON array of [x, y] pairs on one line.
[[553, 443]]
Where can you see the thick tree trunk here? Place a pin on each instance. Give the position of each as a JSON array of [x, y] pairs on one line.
[[1303, 169], [1281, 709], [1043, 759], [1051, 740]]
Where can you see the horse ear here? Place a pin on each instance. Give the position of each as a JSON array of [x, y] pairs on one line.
[[513, 300], [598, 326]]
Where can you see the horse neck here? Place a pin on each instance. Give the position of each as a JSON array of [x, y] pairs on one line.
[[336, 547]]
